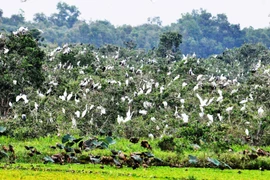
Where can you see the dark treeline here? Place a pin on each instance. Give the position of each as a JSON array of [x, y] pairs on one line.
[[202, 32]]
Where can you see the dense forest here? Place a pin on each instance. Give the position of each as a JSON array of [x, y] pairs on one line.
[[201, 32], [60, 74], [199, 83]]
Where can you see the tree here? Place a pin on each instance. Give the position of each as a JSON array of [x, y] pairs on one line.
[[169, 44], [66, 16], [40, 18], [20, 67], [155, 20]]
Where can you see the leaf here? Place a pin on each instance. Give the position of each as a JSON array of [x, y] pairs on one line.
[[48, 159], [60, 146], [136, 158], [3, 154], [67, 138], [192, 159], [214, 161], [226, 165], [2, 129], [109, 140], [117, 163], [148, 154], [77, 140], [70, 144], [69, 149], [103, 145], [29, 147], [91, 143], [94, 160]]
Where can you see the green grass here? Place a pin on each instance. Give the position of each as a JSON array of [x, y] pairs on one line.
[[90, 171], [234, 159]]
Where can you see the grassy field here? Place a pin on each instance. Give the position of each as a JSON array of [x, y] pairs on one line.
[[32, 167], [75, 171]]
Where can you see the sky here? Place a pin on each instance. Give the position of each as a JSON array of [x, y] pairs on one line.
[[247, 13]]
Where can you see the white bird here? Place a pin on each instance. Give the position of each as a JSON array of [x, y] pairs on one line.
[[69, 96], [260, 112], [204, 102], [128, 115], [184, 84], [78, 114], [165, 104], [85, 111], [148, 91], [76, 99], [177, 77], [219, 117], [10, 104], [185, 117], [102, 110], [49, 91], [247, 132], [74, 123], [151, 136], [176, 115], [182, 101], [143, 112], [220, 98], [211, 78], [229, 109], [24, 117], [234, 91], [190, 72], [199, 77], [244, 101], [211, 119], [6, 50], [36, 106], [120, 119], [22, 96], [243, 108], [65, 93]]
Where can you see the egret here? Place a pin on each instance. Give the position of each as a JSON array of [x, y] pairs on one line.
[[176, 77], [24, 117], [243, 108], [22, 96], [199, 77], [84, 112], [165, 104], [190, 72], [185, 117], [69, 96], [260, 112], [78, 114], [244, 101], [176, 115], [184, 84], [229, 110], [247, 132], [211, 119], [102, 110], [151, 136], [143, 112], [6, 50]]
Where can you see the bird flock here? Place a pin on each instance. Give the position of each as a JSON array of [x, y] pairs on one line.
[[118, 89]]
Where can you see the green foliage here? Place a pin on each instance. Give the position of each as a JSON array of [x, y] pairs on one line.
[[167, 144], [169, 44]]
